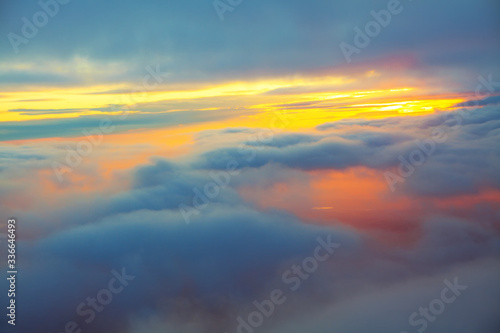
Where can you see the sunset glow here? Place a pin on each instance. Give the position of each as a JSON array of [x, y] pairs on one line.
[[231, 166]]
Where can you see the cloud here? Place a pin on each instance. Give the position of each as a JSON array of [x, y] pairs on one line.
[[203, 275], [206, 274], [223, 261], [307, 152], [71, 127], [229, 50], [450, 166], [492, 100], [388, 309], [285, 140], [200, 277]]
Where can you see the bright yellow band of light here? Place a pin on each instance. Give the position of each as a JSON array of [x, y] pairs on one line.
[[254, 95]]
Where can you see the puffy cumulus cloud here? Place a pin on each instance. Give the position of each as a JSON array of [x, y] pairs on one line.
[[308, 152], [203, 275], [458, 150], [208, 269], [218, 159], [377, 139], [285, 140], [465, 162]]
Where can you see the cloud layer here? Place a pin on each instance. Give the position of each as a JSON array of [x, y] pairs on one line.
[[202, 276]]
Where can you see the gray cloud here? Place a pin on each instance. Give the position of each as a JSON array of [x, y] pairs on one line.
[[296, 37]]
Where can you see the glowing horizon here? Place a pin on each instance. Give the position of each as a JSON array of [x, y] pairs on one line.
[[282, 166]]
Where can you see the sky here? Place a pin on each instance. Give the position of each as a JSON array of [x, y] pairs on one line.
[[251, 166]]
